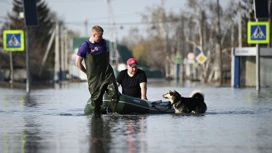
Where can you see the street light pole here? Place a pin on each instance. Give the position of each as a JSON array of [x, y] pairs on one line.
[[27, 61]]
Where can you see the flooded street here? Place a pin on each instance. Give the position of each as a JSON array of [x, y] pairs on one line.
[[51, 120]]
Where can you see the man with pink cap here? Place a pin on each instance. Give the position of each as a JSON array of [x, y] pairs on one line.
[[133, 80]]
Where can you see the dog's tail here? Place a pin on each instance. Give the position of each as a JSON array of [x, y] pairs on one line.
[[197, 94]]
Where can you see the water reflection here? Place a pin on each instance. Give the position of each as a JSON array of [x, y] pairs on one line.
[[20, 133], [31, 136], [28, 101], [135, 132], [99, 141], [111, 133]]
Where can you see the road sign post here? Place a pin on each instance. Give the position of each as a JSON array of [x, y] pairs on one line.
[[13, 40], [31, 19], [258, 33]]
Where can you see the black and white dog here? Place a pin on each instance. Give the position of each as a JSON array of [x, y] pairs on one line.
[[194, 104]]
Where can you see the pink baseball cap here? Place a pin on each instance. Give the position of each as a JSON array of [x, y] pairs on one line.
[[132, 62]]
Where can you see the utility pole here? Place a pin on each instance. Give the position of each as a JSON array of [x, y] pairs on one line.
[[11, 63], [261, 13], [168, 64], [218, 59], [57, 54], [65, 39], [182, 48], [114, 57], [62, 51], [27, 61], [47, 50], [86, 27], [31, 19], [240, 41], [269, 20]]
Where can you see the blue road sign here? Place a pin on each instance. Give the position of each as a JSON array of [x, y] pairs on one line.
[[258, 32], [13, 40]]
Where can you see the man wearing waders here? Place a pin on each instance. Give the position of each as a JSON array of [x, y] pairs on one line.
[[99, 72]]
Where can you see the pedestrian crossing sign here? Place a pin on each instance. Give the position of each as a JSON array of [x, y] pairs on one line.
[[258, 32], [13, 40]]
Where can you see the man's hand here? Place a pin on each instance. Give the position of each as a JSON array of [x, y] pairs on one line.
[[79, 64], [144, 98]]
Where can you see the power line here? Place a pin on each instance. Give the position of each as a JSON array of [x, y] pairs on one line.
[[128, 23]]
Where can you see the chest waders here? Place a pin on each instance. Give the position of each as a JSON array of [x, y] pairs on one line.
[[101, 79]]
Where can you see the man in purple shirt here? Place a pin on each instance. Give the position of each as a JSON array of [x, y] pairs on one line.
[[99, 72]]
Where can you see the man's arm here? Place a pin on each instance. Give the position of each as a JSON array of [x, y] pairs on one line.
[[119, 78], [79, 64], [143, 90]]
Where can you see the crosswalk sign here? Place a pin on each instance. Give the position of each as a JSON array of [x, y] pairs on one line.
[[258, 32], [13, 40]]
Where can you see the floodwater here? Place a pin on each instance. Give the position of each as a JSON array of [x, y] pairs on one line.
[[51, 120]]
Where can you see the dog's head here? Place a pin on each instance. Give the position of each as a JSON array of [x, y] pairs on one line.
[[172, 95]]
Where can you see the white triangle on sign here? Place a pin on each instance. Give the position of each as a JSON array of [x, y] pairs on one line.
[[13, 41], [258, 33]]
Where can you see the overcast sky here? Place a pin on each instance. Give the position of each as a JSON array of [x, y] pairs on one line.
[[125, 13]]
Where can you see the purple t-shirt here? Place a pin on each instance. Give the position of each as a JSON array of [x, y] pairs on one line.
[[92, 48]]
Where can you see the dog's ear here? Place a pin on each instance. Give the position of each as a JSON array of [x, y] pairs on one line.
[[177, 93], [171, 92]]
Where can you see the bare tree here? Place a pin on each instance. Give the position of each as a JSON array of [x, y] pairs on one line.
[[204, 25]]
